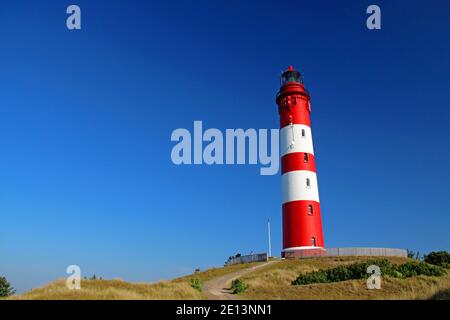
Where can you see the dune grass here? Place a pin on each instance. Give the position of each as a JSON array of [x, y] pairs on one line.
[[274, 282], [177, 289], [113, 290], [209, 274], [270, 282]]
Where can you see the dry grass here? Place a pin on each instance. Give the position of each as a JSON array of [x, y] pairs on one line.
[[283, 273], [216, 272], [113, 290], [274, 282], [421, 287], [121, 290], [270, 282]]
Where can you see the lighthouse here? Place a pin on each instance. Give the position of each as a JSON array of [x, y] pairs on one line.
[[302, 222]]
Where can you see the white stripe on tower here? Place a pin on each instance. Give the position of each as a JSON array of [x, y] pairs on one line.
[[299, 185], [296, 138]]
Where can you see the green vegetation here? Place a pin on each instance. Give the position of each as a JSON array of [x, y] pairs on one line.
[[238, 286], [6, 289], [237, 255], [196, 284], [413, 268], [359, 271], [273, 281], [439, 258], [94, 277], [413, 255]]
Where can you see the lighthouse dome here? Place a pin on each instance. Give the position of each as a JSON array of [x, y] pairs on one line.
[[291, 75]]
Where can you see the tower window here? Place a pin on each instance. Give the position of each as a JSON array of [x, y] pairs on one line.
[[305, 157], [313, 241], [310, 210], [308, 183], [303, 133]]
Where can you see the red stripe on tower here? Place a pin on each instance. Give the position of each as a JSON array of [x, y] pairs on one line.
[[302, 222], [298, 161]]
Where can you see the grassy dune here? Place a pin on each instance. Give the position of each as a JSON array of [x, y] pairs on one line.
[[216, 272], [178, 288], [270, 282], [113, 290], [274, 282]]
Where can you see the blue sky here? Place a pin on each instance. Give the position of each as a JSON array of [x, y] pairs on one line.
[[86, 117]]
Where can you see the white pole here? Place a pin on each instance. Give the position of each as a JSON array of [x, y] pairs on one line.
[[268, 230]]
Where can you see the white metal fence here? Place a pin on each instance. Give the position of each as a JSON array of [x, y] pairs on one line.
[[380, 252], [248, 258]]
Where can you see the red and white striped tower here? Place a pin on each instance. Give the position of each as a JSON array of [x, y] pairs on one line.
[[302, 223]]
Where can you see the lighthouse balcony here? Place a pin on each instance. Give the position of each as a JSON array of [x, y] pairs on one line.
[[298, 90]]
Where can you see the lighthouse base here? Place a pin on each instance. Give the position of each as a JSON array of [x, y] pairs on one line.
[[303, 252]]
